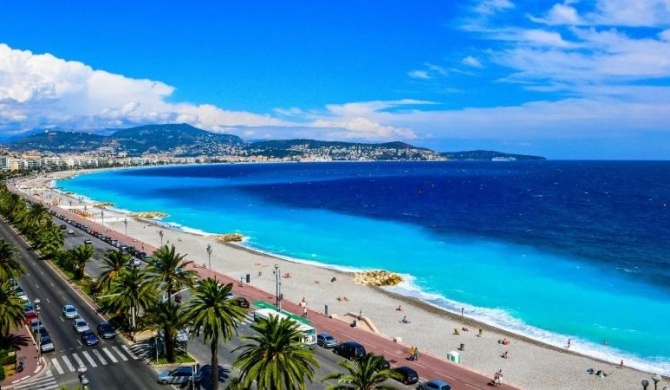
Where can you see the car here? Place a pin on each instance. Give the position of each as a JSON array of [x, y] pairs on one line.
[[46, 345], [242, 302], [435, 384], [106, 330], [28, 306], [34, 324], [89, 338], [179, 375], [406, 375], [70, 312], [30, 316], [63, 226], [88, 242], [326, 340], [350, 350], [70, 231], [41, 331], [80, 326], [20, 293], [206, 376]]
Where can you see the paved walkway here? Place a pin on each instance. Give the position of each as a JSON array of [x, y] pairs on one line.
[[29, 354]]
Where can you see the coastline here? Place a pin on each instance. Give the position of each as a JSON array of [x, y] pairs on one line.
[[430, 329]]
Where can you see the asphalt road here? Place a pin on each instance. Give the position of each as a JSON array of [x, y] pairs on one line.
[[109, 365]]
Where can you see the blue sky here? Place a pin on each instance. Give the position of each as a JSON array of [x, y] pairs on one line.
[[564, 79]]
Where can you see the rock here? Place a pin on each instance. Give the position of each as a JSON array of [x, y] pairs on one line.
[[377, 278], [230, 237]]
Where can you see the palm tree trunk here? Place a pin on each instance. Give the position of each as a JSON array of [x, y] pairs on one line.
[[215, 362], [169, 345]]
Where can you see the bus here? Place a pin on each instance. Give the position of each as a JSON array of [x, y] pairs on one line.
[[308, 333]]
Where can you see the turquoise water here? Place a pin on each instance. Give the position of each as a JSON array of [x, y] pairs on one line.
[[538, 293]]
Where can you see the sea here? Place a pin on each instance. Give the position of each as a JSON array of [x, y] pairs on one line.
[[551, 250]]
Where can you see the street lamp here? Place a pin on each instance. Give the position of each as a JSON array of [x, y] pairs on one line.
[[125, 222], [645, 384], [209, 256], [160, 233], [38, 336], [278, 287], [83, 381]]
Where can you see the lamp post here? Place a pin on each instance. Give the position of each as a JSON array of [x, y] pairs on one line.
[[160, 233], [83, 381], [125, 222], [209, 256], [645, 384], [38, 336], [278, 287]]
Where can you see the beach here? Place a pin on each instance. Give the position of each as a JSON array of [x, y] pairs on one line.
[[529, 364]]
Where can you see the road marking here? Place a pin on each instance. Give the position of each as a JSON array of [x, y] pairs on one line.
[[78, 359], [109, 355], [125, 359], [57, 366], [99, 356], [90, 359], [132, 355], [68, 363]]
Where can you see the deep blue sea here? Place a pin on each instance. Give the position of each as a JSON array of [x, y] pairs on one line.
[[551, 250]]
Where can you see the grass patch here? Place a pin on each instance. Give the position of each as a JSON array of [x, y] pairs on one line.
[[181, 356]]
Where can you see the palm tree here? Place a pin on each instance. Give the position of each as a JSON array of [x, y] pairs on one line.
[[9, 267], [275, 358], [133, 290], [211, 312], [11, 309], [167, 316], [36, 216], [81, 254], [50, 240], [169, 267], [113, 264], [362, 374]]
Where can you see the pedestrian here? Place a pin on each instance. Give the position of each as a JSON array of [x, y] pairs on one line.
[[304, 311], [497, 378], [568, 346], [480, 333], [411, 353], [416, 354], [462, 312], [621, 364]]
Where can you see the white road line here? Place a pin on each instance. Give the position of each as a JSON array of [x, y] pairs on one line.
[[57, 366], [125, 359], [90, 359], [99, 356], [80, 363], [68, 363], [129, 352], [109, 355]]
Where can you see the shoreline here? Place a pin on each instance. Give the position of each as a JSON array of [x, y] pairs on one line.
[[439, 320]]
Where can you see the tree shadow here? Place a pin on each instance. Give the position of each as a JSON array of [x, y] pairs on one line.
[[14, 342]]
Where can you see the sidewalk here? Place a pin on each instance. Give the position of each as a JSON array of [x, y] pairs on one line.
[[31, 367]]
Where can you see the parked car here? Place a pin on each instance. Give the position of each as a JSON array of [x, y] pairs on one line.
[[106, 330], [179, 375], [326, 340], [70, 231], [34, 324], [46, 345], [435, 384], [89, 338], [350, 350], [70, 312], [406, 375], [80, 326], [30, 316], [88, 242], [41, 331]]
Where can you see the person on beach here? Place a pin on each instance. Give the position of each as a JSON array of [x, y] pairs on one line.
[[621, 364], [504, 355], [568, 346], [480, 333], [399, 308], [404, 320]]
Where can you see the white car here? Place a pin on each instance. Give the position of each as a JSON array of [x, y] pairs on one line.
[[70, 312], [80, 326], [46, 345]]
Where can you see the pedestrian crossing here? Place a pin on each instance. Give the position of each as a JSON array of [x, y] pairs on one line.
[[93, 358], [43, 382]]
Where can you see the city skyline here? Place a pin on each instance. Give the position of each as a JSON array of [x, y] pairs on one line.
[[565, 80]]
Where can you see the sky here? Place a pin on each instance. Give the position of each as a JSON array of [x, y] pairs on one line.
[[564, 79]]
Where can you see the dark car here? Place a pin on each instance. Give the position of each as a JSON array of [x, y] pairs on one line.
[[350, 350], [241, 302], [205, 376], [106, 330], [89, 338], [326, 340], [406, 375], [435, 384]]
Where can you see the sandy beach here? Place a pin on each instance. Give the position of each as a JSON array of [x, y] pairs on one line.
[[529, 364]]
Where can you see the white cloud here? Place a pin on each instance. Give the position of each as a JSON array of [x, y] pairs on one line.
[[639, 13], [40, 90], [560, 14], [419, 74], [490, 7], [471, 61]]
